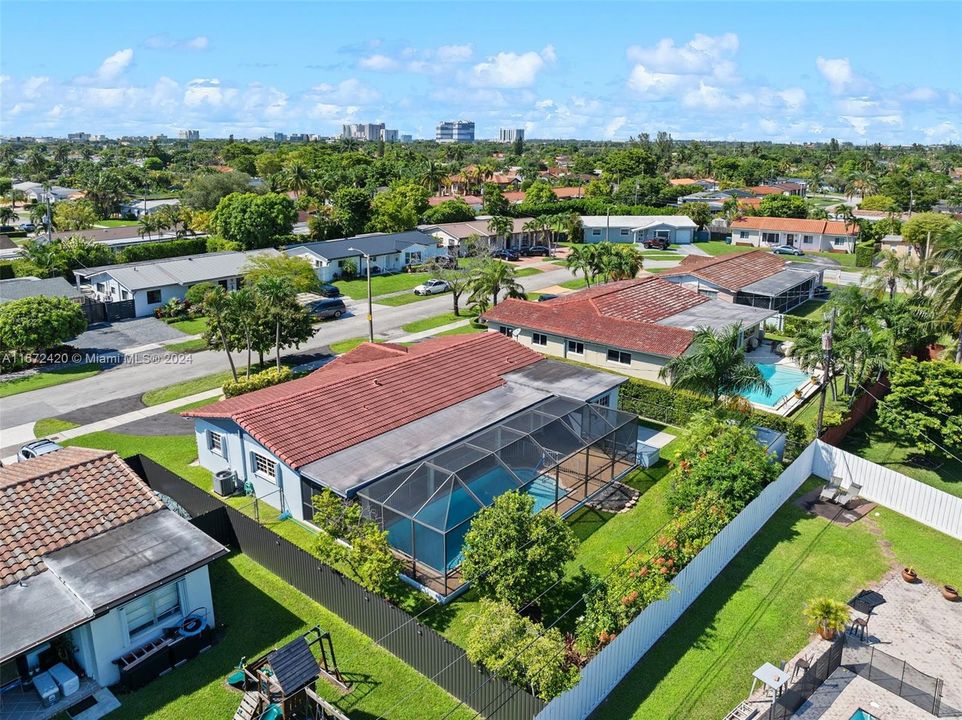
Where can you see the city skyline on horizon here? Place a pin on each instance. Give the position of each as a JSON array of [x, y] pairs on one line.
[[715, 73]]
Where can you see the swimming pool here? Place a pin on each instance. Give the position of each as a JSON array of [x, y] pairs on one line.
[[860, 714], [783, 379]]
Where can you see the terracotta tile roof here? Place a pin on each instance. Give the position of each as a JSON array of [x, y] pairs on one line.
[[514, 196], [348, 401], [731, 272], [765, 190], [799, 225], [622, 314], [469, 199], [683, 181], [568, 192], [61, 498]]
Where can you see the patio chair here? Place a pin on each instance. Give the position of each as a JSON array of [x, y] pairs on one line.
[[831, 491], [850, 494], [802, 665]]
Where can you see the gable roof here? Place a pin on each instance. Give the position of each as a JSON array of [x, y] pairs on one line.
[[62, 498], [636, 221], [731, 272], [346, 401], [800, 225], [373, 244], [184, 270], [622, 314]]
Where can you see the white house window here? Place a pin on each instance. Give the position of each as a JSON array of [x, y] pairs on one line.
[[215, 443], [663, 234], [596, 232], [264, 466], [153, 297], [604, 401], [101, 288], [124, 295], [414, 257], [506, 330], [619, 357], [155, 608], [539, 339], [743, 234], [839, 241], [807, 239], [770, 237], [576, 348]]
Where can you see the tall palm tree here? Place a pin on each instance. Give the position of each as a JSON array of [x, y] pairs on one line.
[[275, 293], [538, 226], [715, 366], [297, 178], [7, 215], [582, 258], [947, 288], [146, 225], [433, 177], [491, 278], [888, 272], [622, 262], [501, 225]]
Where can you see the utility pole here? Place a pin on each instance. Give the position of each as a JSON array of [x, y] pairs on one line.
[[607, 223], [370, 303], [827, 371]]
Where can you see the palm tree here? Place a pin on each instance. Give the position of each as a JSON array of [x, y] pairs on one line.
[[573, 227], [433, 177], [147, 225], [501, 225], [581, 258], [622, 262], [276, 293], [297, 178], [38, 214], [7, 215], [947, 288], [715, 366], [538, 226], [491, 278], [885, 276]]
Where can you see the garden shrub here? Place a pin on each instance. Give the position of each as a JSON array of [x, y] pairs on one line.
[[793, 325], [161, 250], [520, 650], [864, 253], [173, 310], [257, 381]]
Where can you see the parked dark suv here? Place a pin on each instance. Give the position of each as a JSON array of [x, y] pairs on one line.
[[511, 255], [536, 251], [329, 291], [657, 244], [327, 308]]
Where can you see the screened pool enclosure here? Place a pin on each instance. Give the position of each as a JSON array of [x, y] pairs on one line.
[[561, 451]]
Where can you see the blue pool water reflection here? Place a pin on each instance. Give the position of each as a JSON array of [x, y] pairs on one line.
[[783, 379]]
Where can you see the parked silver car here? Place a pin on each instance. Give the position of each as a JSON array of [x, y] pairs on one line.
[[432, 287]]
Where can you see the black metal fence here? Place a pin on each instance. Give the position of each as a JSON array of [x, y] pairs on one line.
[[793, 698], [417, 645], [895, 675]]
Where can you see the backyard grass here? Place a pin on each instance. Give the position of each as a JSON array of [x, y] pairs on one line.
[[185, 389], [808, 413], [195, 326], [51, 426], [381, 284], [527, 272], [719, 247], [116, 223], [433, 322], [188, 346], [810, 310], [259, 612], [48, 378], [751, 614], [936, 557], [873, 443]]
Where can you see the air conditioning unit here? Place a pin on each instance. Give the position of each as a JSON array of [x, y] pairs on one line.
[[225, 482]]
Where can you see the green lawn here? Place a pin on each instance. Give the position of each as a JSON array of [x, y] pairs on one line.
[[936, 557], [433, 322], [576, 284], [51, 426], [343, 346], [846, 260], [382, 284], [527, 272], [116, 223], [873, 443], [191, 327], [187, 346], [808, 413], [719, 247], [810, 310], [752, 613], [259, 612], [48, 378], [186, 388], [405, 299]]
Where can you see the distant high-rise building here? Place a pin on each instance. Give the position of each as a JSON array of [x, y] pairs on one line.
[[298, 137], [78, 137], [189, 135], [158, 138], [455, 131], [509, 135], [366, 132], [388, 135], [407, 138], [279, 137]]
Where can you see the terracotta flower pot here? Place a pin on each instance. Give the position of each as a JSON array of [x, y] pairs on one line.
[[950, 593], [826, 633], [909, 575]]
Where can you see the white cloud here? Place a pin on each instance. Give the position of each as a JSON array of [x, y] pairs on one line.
[[794, 98], [377, 62], [198, 43], [921, 95], [699, 56], [860, 124], [166, 42], [33, 86], [419, 61], [454, 53], [347, 92], [511, 70], [838, 72], [111, 68], [944, 132], [615, 125], [209, 92], [710, 97]]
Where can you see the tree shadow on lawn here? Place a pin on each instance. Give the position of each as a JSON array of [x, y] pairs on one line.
[[696, 627]]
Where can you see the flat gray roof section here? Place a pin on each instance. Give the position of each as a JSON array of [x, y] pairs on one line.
[[17, 288], [349, 470], [37, 611], [373, 244], [717, 315], [558, 378], [780, 282], [112, 568]]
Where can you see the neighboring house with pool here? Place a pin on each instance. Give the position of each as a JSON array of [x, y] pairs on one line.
[[759, 279], [426, 436], [631, 327]]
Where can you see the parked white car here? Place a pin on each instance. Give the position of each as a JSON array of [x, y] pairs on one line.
[[432, 287]]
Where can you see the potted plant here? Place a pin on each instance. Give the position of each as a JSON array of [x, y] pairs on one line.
[[950, 593], [909, 575], [827, 617]]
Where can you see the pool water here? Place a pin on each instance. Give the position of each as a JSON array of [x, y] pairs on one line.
[[860, 714], [783, 379]]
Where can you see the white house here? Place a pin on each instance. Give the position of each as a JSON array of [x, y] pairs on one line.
[[139, 208], [456, 234], [814, 235], [152, 283], [676, 229], [35, 192], [388, 252], [77, 595]]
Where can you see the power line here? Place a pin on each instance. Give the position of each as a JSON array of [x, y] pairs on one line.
[[943, 449]]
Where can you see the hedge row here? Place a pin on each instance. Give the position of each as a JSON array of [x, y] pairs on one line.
[[676, 407], [160, 250], [864, 254], [258, 381]]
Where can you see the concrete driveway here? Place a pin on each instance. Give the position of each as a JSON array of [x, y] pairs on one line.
[[124, 334]]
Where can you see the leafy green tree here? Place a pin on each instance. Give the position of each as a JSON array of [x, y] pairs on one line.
[[583, 259], [204, 192], [878, 202], [494, 201], [924, 405], [7, 215], [277, 303], [456, 210], [459, 279], [617, 261], [715, 365], [947, 290], [888, 272], [37, 323], [399, 208], [374, 563], [196, 293], [513, 555], [925, 231], [76, 215], [699, 213], [294, 271], [351, 210], [629, 163], [789, 206], [538, 193], [48, 258], [598, 189], [253, 220]]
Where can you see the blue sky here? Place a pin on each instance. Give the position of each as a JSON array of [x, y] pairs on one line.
[[867, 72]]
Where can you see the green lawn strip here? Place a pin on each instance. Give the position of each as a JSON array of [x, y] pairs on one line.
[[405, 299], [808, 413], [527, 272], [51, 426], [116, 223], [260, 612], [718, 247], [576, 284], [342, 346], [48, 378], [174, 452], [810, 310], [195, 404], [873, 443], [846, 260], [186, 388], [196, 326], [751, 614], [463, 330], [188, 346], [433, 322], [936, 557], [381, 284]]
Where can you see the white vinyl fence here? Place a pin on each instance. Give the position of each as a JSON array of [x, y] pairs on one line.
[[896, 491], [600, 676]]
